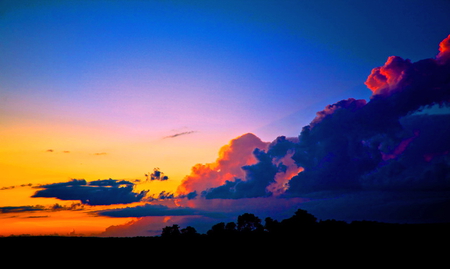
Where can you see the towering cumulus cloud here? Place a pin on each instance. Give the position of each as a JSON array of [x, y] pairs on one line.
[[386, 78], [352, 144], [232, 157], [382, 144]]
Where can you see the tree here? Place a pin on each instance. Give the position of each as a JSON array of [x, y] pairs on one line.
[[189, 231], [249, 223], [271, 225], [217, 229], [222, 229], [298, 222], [230, 227], [171, 231]]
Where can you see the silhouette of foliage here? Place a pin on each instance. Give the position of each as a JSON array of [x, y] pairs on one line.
[[271, 225], [230, 228], [222, 229], [171, 231], [249, 223], [328, 235], [189, 231], [333, 223], [217, 229]]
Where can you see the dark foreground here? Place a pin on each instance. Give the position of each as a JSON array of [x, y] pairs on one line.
[[384, 237], [300, 237]]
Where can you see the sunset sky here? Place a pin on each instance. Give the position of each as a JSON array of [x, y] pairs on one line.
[[96, 94]]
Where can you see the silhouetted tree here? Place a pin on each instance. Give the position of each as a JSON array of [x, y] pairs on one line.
[[298, 223], [249, 223], [222, 229], [230, 227], [301, 217], [272, 226], [333, 223], [171, 231], [217, 229], [189, 231]]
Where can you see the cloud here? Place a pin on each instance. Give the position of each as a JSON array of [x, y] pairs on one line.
[[351, 144], [16, 186], [227, 167], [99, 192], [20, 209], [149, 210], [257, 178], [385, 206], [52, 150], [34, 208], [100, 153], [376, 159], [385, 78], [179, 134], [444, 51], [346, 146], [156, 175]]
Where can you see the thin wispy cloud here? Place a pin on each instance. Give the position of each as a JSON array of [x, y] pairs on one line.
[[180, 134]]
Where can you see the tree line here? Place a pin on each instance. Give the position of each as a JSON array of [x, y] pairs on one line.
[[301, 223]]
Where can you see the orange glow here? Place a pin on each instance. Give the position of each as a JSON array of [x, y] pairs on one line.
[[67, 223], [385, 78], [444, 50], [282, 178], [42, 149], [238, 153]]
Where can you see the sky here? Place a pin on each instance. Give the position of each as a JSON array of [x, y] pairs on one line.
[[118, 118]]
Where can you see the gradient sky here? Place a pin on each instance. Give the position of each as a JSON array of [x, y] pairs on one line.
[[112, 89]]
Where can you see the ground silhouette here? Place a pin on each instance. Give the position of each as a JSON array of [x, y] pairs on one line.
[[301, 233]]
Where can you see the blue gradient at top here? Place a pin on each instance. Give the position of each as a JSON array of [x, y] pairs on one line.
[[260, 60]]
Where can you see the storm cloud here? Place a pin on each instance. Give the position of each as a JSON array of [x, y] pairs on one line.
[[98, 192], [381, 144], [150, 210], [228, 166]]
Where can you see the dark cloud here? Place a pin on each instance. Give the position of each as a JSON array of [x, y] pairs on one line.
[[257, 178], [20, 209], [110, 183], [150, 210], [401, 206], [179, 134], [52, 150], [355, 145], [99, 192], [16, 186], [156, 175], [34, 208], [346, 146], [423, 165]]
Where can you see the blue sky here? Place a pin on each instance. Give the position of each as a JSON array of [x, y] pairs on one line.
[[264, 59]]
